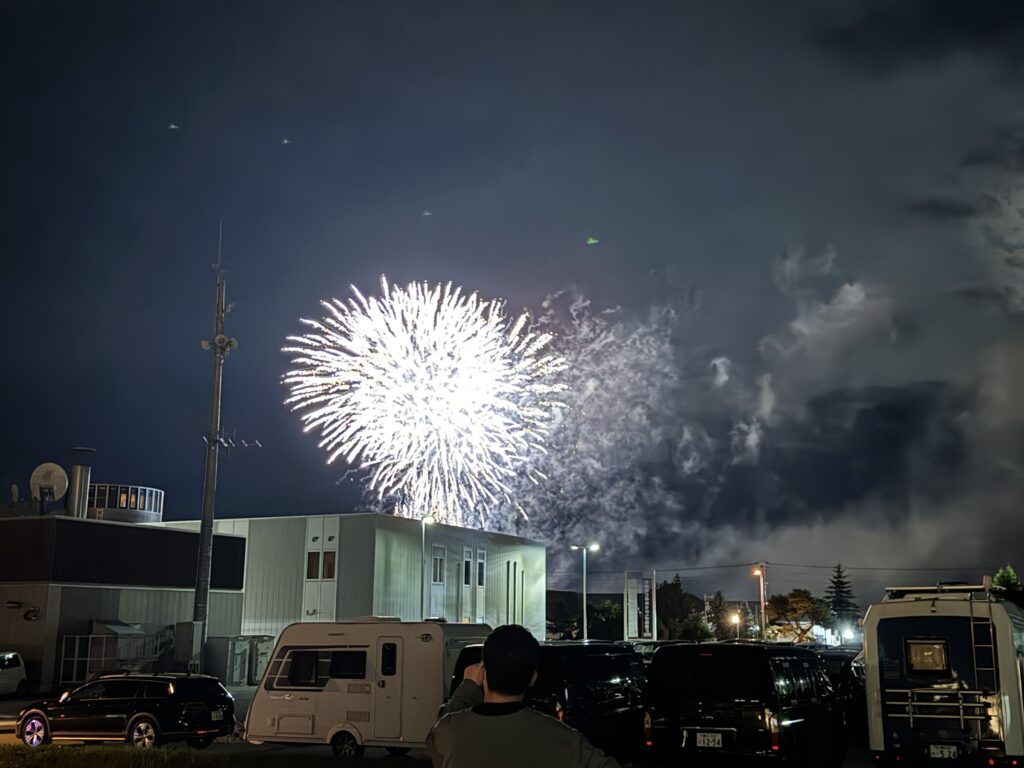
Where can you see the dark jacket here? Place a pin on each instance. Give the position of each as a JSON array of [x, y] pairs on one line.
[[471, 734]]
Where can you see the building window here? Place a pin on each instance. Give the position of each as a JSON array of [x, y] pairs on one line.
[[101, 496], [481, 568], [122, 502], [467, 567], [133, 498], [437, 572], [92, 497], [329, 558], [312, 565]]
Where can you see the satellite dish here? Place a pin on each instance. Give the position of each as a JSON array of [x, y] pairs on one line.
[[49, 482]]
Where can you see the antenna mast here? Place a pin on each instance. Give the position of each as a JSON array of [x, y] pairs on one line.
[[221, 345]]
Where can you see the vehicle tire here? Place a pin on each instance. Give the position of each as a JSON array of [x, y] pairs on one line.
[[35, 731], [397, 751], [199, 742], [345, 746], [143, 733]]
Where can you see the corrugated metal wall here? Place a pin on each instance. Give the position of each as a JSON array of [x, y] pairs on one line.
[[274, 575]]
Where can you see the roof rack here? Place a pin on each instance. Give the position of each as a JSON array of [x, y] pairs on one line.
[[942, 588]]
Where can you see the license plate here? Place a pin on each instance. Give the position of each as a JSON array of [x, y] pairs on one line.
[[709, 739], [216, 715], [946, 751]]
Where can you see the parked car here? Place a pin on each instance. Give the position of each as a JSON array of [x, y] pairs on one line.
[[723, 702], [143, 710], [12, 674], [847, 680], [596, 688]]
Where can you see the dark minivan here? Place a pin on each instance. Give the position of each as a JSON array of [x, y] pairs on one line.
[[143, 710], [722, 704], [597, 688]]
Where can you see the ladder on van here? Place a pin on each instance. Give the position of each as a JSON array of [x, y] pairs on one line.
[[983, 649]]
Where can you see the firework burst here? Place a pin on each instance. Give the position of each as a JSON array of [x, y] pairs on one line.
[[440, 396]]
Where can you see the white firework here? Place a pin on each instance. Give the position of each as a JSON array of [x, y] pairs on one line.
[[440, 396]]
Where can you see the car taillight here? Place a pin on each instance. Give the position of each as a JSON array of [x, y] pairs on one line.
[[648, 731], [773, 729], [559, 712]]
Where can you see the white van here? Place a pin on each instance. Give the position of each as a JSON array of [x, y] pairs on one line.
[[943, 671], [12, 674], [373, 682]]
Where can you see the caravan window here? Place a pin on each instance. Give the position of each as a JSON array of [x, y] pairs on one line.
[[389, 659], [348, 665], [304, 668], [929, 656]]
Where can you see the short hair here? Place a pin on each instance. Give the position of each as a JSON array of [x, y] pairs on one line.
[[511, 655]]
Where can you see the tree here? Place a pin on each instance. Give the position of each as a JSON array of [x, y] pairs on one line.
[[1007, 579], [839, 597], [692, 628], [799, 611], [674, 605], [718, 619], [604, 621]]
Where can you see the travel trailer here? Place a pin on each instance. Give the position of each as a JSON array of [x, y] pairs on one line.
[[375, 682], [943, 677]]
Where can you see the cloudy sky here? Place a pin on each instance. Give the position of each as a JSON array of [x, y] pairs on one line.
[[811, 206]]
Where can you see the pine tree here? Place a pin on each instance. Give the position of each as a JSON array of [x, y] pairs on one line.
[[839, 597], [717, 618]]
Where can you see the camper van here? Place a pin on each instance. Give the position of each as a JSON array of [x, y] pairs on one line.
[[943, 677], [356, 684]]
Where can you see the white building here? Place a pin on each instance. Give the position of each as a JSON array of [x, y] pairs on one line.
[[336, 567]]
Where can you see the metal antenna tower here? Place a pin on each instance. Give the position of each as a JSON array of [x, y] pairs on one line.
[[221, 345]]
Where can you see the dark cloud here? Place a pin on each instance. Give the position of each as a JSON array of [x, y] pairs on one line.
[[943, 208], [885, 34]]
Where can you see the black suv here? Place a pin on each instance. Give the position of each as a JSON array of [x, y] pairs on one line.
[[597, 688], [722, 703], [144, 710]]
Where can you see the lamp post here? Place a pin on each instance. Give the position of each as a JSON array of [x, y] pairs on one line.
[[760, 571], [736, 620], [593, 548], [424, 522]]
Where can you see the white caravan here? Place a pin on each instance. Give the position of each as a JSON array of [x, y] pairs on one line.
[[943, 671], [374, 682]]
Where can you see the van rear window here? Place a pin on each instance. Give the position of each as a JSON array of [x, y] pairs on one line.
[[929, 656], [721, 674]]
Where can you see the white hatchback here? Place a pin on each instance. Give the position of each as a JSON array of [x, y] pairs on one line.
[[12, 674]]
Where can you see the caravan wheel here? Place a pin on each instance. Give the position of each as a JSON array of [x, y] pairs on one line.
[[345, 746]]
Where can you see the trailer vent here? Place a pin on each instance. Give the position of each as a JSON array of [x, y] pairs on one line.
[[357, 717]]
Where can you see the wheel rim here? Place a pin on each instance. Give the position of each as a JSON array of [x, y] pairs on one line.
[[346, 746], [144, 734], [35, 732]]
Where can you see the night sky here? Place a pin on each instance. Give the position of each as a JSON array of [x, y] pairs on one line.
[[822, 194]]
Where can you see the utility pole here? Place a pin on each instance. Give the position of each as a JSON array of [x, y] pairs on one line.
[[761, 571], [220, 345]]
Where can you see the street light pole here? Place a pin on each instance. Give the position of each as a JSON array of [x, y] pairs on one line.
[[736, 621], [424, 522], [593, 548], [760, 570]]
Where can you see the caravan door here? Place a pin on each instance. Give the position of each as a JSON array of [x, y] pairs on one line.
[[387, 699]]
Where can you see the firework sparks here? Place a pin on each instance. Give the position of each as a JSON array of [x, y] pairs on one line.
[[441, 397]]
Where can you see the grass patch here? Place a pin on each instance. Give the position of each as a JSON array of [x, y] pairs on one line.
[[74, 756]]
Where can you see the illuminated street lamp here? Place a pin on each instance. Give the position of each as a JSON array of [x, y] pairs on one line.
[[736, 621], [760, 571], [424, 522], [593, 548]]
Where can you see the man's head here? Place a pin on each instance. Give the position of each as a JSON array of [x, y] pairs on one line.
[[511, 655]]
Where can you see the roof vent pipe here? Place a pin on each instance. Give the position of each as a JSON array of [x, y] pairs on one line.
[[81, 475]]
